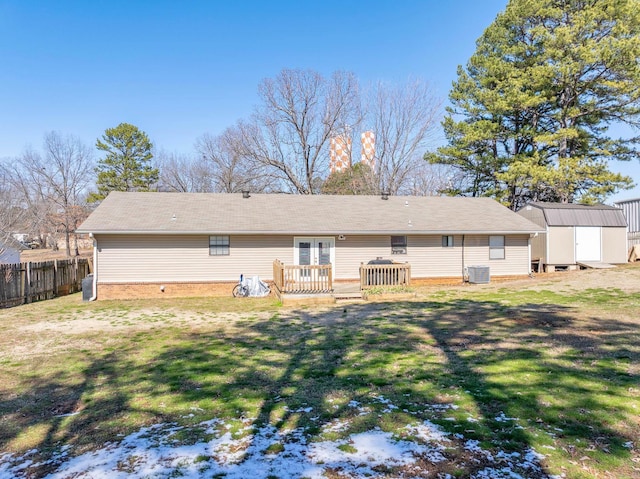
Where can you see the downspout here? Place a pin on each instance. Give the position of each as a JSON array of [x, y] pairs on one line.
[[95, 268], [463, 268]]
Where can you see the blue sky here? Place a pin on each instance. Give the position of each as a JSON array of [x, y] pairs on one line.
[[178, 69]]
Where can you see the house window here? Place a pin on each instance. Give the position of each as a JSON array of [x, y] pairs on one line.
[[447, 241], [496, 247], [218, 245], [398, 245]]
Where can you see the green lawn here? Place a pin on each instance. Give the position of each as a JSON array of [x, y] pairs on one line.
[[510, 368]]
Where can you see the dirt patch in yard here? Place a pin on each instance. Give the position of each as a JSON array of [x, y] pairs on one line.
[[91, 319], [623, 277]]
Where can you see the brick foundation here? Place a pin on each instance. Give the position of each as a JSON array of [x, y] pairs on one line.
[[457, 280], [171, 290], [213, 289]]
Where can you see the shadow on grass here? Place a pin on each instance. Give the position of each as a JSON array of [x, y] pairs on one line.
[[522, 377], [562, 377]]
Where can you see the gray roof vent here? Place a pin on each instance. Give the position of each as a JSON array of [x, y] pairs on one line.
[[245, 194]]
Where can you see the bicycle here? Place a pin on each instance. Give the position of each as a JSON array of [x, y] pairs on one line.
[[240, 290]]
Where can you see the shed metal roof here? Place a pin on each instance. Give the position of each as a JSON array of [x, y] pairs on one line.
[[570, 214], [212, 213]]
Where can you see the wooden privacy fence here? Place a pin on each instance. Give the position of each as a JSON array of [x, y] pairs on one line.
[[396, 274], [22, 283], [302, 279]]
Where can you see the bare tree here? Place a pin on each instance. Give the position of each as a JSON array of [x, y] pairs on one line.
[[232, 168], [428, 180], [184, 173], [12, 211], [290, 131], [54, 185], [25, 194], [404, 119], [284, 146]]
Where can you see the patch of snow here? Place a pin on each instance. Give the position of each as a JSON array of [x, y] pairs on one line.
[[301, 409], [502, 418], [336, 425], [428, 432], [248, 452], [68, 414]]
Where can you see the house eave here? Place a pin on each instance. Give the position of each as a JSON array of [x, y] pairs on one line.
[[312, 233]]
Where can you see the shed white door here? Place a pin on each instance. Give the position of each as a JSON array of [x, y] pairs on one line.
[[588, 243]]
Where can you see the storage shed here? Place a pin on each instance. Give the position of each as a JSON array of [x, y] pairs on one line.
[[576, 235], [10, 250]]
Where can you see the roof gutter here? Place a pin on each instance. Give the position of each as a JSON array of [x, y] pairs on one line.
[[309, 233]]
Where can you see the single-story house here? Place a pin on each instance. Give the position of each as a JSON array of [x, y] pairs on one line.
[[198, 244], [10, 250], [575, 234]]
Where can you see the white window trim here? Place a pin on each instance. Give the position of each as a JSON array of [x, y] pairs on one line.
[[497, 249], [448, 245], [228, 245], [406, 244]]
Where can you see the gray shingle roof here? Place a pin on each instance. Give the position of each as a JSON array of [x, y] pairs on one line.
[[571, 214], [10, 242], [210, 213]]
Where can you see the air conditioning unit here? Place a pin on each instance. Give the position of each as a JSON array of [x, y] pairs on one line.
[[479, 274]]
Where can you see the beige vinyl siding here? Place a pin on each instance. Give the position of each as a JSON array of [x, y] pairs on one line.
[[562, 245], [539, 241], [429, 259], [516, 255], [176, 258], [425, 254], [173, 258], [614, 245], [354, 250], [539, 247]]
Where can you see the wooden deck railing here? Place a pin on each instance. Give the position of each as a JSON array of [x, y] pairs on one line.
[[303, 279], [384, 275]]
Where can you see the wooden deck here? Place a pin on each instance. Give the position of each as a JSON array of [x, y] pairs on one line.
[[394, 274], [315, 282], [302, 279]]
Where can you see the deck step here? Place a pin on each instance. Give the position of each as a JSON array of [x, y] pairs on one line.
[[348, 296]]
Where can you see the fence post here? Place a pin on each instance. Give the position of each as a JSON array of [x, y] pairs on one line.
[[55, 277], [27, 282]]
